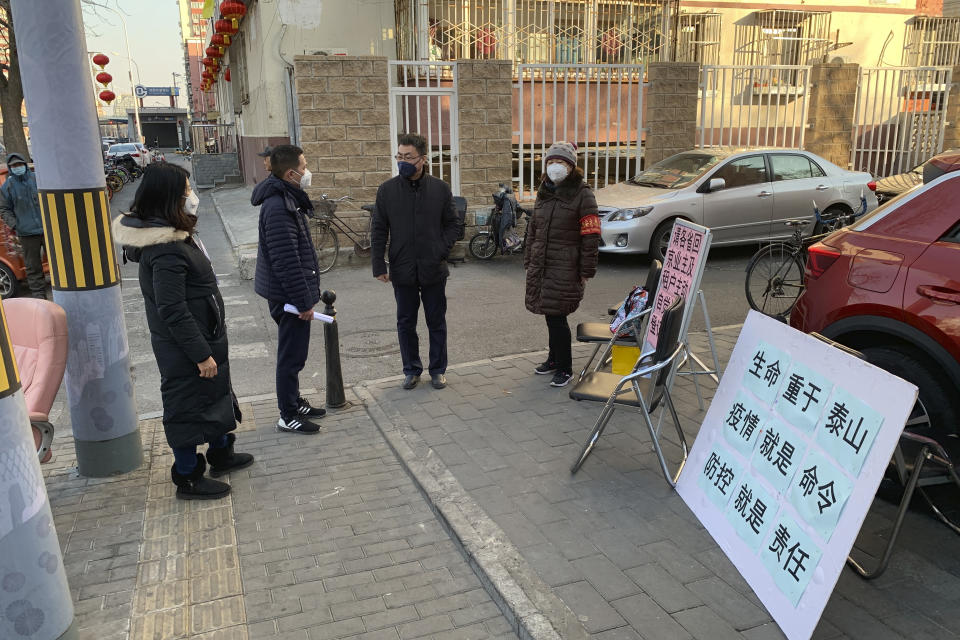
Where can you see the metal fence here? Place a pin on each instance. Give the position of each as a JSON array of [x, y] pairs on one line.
[[900, 117], [931, 42], [599, 107], [423, 99], [214, 138], [753, 106]]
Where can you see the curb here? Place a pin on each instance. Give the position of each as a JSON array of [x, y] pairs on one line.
[[529, 604], [246, 261]]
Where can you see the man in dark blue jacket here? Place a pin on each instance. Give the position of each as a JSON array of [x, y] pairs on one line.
[[287, 274], [20, 209], [415, 212]]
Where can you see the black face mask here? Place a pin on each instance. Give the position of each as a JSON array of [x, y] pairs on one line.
[[406, 169]]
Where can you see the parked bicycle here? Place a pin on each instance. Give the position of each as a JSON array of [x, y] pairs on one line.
[[501, 234], [775, 273], [324, 227]]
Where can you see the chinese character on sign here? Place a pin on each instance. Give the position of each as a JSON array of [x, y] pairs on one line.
[[750, 423], [794, 387], [837, 418], [770, 441], [809, 480], [850, 439], [772, 374], [780, 540], [784, 456], [811, 395], [723, 479], [796, 558], [827, 496], [713, 463], [736, 415], [744, 499], [755, 519], [758, 362]]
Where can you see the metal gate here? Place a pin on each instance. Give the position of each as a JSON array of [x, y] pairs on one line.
[[423, 99], [900, 117], [753, 106], [597, 106]]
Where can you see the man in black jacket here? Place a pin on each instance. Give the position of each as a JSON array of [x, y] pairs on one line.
[[287, 274], [415, 212]]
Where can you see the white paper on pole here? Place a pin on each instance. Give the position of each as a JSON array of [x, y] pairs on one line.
[[322, 317], [788, 460], [680, 278]]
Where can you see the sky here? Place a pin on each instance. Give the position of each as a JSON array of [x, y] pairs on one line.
[[153, 28]]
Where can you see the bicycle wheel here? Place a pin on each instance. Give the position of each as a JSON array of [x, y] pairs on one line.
[[361, 246], [482, 246], [114, 182], [832, 219], [326, 243], [774, 279]]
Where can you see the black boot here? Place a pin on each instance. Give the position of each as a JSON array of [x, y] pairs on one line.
[[196, 486], [225, 459]]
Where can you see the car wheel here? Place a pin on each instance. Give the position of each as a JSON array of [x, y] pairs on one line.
[[8, 282], [660, 240], [933, 412]]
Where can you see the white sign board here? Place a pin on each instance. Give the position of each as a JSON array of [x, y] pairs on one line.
[[788, 460], [682, 271]]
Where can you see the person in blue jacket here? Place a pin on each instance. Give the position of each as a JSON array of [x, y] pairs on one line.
[[287, 273], [20, 209]]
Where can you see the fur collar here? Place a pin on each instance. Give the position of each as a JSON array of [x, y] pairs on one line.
[[566, 190], [144, 236]]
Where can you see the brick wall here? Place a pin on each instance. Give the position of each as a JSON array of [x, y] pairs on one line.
[[345, 126], [833, 98], [210, 168], [485, 98], [671, 109]]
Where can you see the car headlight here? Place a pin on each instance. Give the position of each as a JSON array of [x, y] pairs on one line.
[[629, 214]]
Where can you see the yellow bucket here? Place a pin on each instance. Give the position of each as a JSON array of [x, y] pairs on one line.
[[623, 359]]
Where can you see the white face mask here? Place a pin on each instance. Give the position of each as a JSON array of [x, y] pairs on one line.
[[557, 171], [192, 204], [306, 179]]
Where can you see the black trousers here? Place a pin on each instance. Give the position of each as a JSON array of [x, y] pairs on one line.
[[293, 343], [33, 262], [561, 353], [434, 297]]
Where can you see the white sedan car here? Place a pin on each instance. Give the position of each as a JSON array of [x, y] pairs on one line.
[[117, 150], [742, 195]]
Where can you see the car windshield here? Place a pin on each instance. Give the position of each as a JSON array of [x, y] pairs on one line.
[[123, 148], [676, 171]]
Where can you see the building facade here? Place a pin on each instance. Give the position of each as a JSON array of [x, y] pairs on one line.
[[202, 106]]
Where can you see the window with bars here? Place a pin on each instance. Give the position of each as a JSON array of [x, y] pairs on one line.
[[932, 42], [698, 39], [534, 31], [783, 37]]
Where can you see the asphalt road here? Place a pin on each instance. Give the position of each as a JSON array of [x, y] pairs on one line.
[[485, 318]]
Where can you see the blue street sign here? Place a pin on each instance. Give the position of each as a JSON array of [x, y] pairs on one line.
[[145, 92]]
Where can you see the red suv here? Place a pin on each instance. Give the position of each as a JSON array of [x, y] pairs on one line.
[[889, 286]]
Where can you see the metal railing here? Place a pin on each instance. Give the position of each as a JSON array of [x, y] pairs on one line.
[[753, 106], [599, 107], [900, 117], [423, 99], [213, 138]]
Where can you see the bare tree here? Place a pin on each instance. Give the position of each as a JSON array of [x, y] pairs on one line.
[[11, 88]]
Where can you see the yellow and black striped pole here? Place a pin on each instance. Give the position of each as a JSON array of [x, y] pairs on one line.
[[79, 249], [76, 220], [34, 599]]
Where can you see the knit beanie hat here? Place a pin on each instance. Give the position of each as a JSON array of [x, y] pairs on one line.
[[566, 151]]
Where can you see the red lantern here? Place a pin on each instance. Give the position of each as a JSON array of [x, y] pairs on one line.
[[211, 64], [104, 78], [217, 40], [233, 11], [100, 60], [107, 96], [226, 74], [214, 52], [207, 75], [226, 29]]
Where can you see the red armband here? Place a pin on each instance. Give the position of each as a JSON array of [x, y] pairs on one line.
[[590, 225]]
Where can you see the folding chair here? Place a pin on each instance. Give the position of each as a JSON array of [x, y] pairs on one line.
[[599, 332], [643, 389]]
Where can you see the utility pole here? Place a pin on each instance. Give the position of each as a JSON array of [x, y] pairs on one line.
[[76, 217], [35, 595]]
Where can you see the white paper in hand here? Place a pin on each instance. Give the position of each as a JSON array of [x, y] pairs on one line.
[[322, 317]]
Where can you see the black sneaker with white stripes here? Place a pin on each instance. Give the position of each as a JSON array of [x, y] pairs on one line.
[[304, 410], [297, 425], [560, 379]]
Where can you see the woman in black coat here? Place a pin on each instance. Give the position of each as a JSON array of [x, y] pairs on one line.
[[187, 330]]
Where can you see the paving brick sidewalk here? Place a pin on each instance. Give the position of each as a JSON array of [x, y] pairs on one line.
[[324, 537], [612, 551]]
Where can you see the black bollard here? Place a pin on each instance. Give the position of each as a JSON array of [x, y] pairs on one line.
[[331, 341]]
